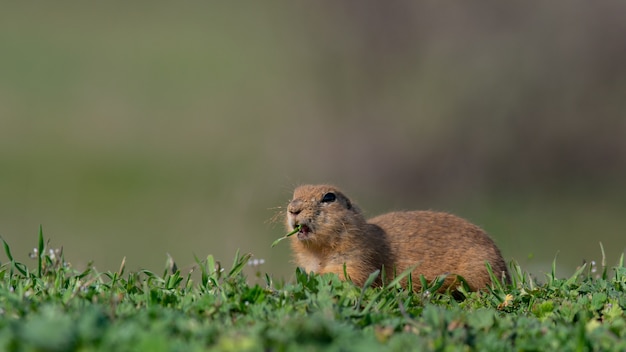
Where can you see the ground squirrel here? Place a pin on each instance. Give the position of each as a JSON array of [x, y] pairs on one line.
[[334, 232]]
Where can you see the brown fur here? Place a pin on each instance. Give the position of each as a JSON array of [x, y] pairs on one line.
[[338, 234]]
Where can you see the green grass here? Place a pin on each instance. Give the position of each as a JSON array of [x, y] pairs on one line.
[[49, 306]]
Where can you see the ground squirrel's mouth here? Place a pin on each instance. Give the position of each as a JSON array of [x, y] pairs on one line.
[[304, 232]]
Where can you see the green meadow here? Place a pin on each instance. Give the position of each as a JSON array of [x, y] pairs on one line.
[[47, 305]]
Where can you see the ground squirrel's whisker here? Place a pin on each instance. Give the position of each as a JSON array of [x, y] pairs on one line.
[[280, 212]]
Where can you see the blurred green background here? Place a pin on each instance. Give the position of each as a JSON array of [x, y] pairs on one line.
[[143, 129]]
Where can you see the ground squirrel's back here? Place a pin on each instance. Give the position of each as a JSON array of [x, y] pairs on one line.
[[441, 243]]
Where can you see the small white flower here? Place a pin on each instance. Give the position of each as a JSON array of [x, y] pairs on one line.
[[256, 262]]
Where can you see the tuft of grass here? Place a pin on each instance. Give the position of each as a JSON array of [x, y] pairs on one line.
[[57, 308], [295, 230]]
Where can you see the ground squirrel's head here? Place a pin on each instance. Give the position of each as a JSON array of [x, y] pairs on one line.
[[323, 214]]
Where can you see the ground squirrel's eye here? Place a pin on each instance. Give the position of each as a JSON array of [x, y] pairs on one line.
[[329, 197]]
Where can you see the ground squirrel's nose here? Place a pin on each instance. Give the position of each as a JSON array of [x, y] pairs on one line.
[[295, 207]]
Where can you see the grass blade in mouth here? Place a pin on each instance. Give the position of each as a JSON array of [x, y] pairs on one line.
[[295, 230]]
